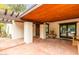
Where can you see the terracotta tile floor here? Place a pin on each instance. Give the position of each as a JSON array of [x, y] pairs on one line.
[[38, 47]]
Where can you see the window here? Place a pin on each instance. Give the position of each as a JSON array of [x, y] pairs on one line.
[[67, 30]]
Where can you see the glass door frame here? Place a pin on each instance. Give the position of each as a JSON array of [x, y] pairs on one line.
[[47, 28], [66, 24]]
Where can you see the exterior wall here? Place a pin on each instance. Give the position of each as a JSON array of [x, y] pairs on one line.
[[19, 29], [16, 30], [55, 26]]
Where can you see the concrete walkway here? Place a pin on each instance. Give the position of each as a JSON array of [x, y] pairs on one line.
[[38, 47]]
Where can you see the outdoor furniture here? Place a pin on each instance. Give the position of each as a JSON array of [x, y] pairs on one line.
[[51, 35], [75, 41]]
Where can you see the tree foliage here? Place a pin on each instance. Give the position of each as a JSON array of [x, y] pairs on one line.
[[17, 7]]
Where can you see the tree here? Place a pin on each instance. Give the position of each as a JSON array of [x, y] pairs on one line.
[[17, 7], [2, 26]]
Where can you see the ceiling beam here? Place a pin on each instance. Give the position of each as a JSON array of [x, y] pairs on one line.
[[9, 17], [5, 12]]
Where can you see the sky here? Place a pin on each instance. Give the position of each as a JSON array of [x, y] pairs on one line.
[[30, 5]]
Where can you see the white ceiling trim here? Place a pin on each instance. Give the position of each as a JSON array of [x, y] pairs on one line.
[[26, 12]]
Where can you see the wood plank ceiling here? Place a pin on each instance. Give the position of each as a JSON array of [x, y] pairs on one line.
[[53, 12]]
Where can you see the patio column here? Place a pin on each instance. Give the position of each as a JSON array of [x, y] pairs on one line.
[[28, 32], [42, 31]]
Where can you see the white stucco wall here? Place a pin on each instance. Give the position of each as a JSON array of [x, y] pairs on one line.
[[16, 30], [55, 26], [78, 30]]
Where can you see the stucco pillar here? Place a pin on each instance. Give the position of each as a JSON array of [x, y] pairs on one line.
[[42, 31], [78, 47], [78, 30], [28, 32]]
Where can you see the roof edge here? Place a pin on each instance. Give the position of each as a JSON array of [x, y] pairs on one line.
[[30, 10]]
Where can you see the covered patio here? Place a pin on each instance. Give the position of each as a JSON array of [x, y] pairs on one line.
[[47, 29]]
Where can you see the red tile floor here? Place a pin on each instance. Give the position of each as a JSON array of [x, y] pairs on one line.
[[38, 47]]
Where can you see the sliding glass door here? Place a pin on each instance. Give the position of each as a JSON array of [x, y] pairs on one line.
[[67, 29]]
